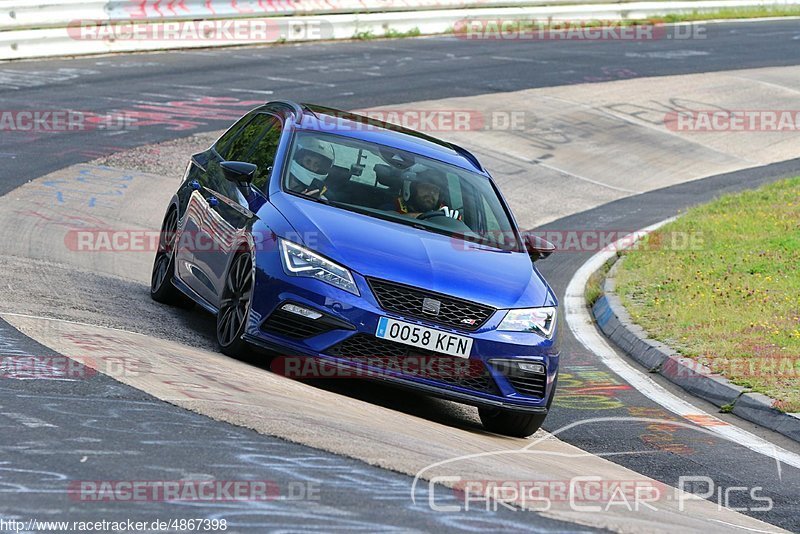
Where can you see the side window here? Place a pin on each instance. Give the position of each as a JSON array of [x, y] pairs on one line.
[[262, 152], [256, 143], [223, 143]]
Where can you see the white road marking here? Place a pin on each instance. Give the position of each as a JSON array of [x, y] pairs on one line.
[[580, 322], [770, 84], [741, 527], [255, 91], [28, 420], [200, 87], [669, 54], [301, 82], [519, 59], [584, 179]]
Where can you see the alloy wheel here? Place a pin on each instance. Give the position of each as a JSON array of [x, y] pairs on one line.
[[166, 251], [236, 300]]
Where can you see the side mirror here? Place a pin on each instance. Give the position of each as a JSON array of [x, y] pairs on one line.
[[238, 171], [538, 248]]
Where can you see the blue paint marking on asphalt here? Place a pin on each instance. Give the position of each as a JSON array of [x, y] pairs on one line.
[[74, 189]]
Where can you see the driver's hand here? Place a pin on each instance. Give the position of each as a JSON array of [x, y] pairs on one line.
[[314, 193], [453, 214]]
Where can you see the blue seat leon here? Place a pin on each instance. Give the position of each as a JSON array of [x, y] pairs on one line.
[[346, 246]]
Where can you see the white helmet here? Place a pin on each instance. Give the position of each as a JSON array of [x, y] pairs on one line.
[[322, 151]]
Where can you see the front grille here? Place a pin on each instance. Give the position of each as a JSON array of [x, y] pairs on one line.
[[525, 382], [408, 301], [288, 324], [413, 362]]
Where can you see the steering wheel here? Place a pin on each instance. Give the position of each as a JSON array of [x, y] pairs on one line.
[[430, 215], [435, 213]]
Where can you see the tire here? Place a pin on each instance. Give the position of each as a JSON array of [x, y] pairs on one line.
[[161, 288], [508, 423], [516, 424], [235, 306]]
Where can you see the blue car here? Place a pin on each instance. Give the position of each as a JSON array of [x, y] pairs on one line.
[[346, 246]]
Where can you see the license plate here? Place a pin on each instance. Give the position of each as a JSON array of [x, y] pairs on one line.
[[424, 338]]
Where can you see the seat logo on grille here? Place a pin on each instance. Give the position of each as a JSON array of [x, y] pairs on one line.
[[431, 306]]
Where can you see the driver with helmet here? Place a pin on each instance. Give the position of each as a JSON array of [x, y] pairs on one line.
[[423, 194], [310, 166]]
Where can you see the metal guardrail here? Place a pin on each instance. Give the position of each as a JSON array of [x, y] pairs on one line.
[[36, 14], [426, 17]]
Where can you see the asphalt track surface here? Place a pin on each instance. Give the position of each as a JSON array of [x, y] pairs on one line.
[[129, 422], [351, 75], [61, 431]]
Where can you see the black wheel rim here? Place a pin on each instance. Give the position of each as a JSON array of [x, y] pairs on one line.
[[236, 300], [166, 250]]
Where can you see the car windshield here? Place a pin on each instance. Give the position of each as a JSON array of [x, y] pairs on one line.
[[391, 184]]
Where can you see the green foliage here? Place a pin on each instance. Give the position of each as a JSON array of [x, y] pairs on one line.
[[389, 33], [722, 285]]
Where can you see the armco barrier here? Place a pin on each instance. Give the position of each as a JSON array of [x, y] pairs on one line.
[[38, 14], [394, 15]]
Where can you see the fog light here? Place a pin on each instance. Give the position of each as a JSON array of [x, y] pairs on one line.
[[537, 368], [299, 310]]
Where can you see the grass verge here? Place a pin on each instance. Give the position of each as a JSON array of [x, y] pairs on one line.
[[734, 13], [594, 286], [722, 285], [389, 33]]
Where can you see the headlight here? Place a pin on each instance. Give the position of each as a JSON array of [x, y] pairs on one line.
[[539, 320], [299, 261]]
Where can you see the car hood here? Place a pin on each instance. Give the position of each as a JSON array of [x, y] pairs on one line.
[[391, 251]]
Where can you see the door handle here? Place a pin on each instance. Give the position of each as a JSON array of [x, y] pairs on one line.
[[212, 201]]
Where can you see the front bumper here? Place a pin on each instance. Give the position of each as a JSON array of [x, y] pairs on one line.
[[353, 316]]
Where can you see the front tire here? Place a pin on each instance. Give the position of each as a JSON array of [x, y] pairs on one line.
[[508, 423], [515, 424], [235, 306]]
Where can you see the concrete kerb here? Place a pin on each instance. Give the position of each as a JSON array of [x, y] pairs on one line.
[[614, 321]]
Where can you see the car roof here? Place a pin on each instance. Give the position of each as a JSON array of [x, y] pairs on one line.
[[311, 117]]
